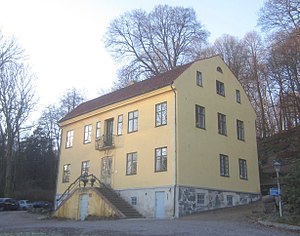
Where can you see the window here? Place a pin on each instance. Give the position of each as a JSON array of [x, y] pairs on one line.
[[120, 125], [199, 78], [132, 121], [87, 133], [161, 159], [243, 168], [238, 96], [66, 173], [161, 114], [240, 130], [70, 137], [229, 200], [85, 167], [133, 201], [98, 130], [200, 198], [224, 165], [200, 117], [220, 88], [222, 124], [131, 167]]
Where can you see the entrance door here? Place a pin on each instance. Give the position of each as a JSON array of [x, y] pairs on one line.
[[160, 204], [84, 204], [106, 170], [109, 133]]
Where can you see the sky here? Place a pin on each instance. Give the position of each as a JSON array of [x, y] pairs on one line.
[[64, 38]]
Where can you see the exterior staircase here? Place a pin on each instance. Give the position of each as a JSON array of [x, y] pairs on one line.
[[91, 181], [119, 202]]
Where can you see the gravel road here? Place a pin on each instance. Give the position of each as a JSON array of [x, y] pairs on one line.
[[21, 223]]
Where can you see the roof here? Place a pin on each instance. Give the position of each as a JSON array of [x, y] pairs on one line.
[[131, 91]]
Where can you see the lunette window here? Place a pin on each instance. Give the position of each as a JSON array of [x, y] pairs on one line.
[[66, 173], [87, 133], [161, 114], [240, 130], [222, 129], [200, 116], [220, 88], [70, 137], [161, 159], [224, 165], [132, 121], [120, 125], [131, 166], [243, 169], [199, 80]]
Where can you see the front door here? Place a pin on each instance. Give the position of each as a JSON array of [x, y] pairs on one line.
[[106, 170], [84, 204], [160, 204], [109, 133]]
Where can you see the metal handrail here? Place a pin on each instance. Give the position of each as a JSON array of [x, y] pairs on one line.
[[86, 179]]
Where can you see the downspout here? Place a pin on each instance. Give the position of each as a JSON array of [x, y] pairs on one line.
[[175, 148]]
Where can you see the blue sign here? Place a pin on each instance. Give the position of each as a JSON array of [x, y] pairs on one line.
[[274, 192]]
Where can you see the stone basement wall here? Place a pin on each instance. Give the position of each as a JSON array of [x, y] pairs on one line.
[[193, 200]]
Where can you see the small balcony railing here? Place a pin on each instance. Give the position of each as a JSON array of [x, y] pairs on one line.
[[105, 142]]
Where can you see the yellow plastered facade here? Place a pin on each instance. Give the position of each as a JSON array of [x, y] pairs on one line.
[[192, 153]]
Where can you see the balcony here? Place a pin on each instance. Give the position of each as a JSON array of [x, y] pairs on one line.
[[105, 142]]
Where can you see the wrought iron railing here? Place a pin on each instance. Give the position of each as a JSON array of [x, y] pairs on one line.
[[85, 180], [105, 142]]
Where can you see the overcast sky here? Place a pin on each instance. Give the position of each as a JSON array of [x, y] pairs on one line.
[[63, 38]]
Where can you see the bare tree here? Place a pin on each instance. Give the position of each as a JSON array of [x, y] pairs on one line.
[[16, 103], [280, 15], [10, 51], [71, 99], [154, 42]]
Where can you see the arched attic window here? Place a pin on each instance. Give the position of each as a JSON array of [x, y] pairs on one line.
[[219, 69]]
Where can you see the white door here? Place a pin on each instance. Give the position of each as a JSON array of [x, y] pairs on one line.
[[160, 204], [84, 204]]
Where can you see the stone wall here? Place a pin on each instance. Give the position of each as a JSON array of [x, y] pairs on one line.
[[192, 200]]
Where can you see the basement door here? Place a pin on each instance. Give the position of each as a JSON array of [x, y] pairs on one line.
[[84, 204], [106, 170], [159, 204]]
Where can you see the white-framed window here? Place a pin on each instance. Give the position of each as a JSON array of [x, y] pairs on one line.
[[98, 130], [224, 165], [87, 134], [222, 128], [161, 114], [229, 199], [240, 130], [161, 159], [238, 96], [85, 167], [220, 88], [66, 173], [131, 166], [200, 198], [200, 116], [132, 121], [69, 138], [243, 169], [120, 125], [133, 201], [199, 80]]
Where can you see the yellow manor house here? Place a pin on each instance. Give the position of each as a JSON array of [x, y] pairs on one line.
[[178, 143]]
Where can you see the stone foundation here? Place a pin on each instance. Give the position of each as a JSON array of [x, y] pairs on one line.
[[192, 200]]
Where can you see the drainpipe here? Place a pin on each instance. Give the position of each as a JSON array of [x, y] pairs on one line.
[[175, 148]]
